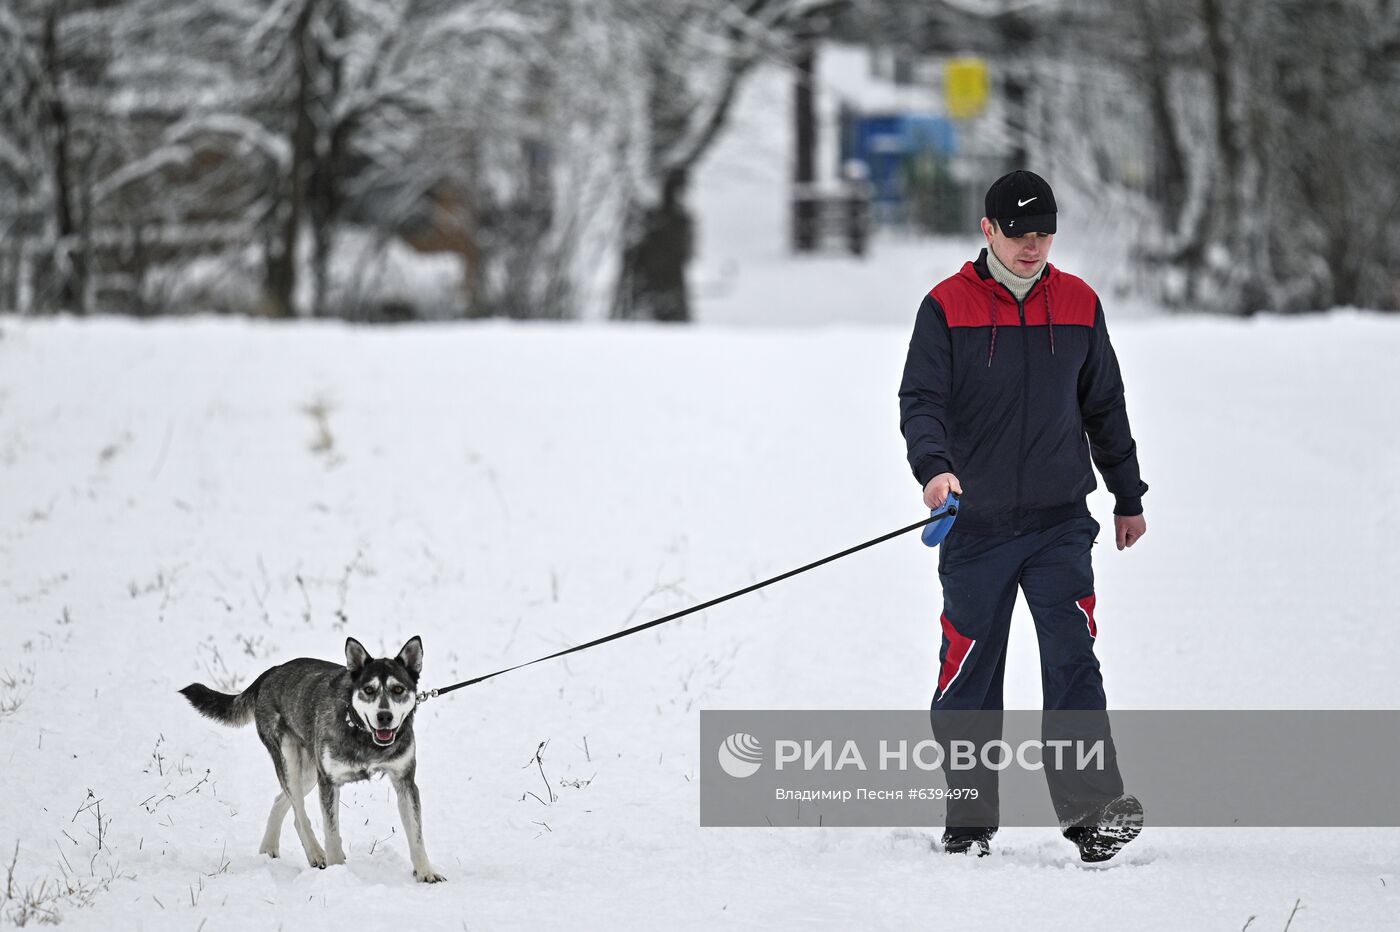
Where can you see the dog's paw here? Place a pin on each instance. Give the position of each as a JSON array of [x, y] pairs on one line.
[[335, 857], [270, 850], [428, 875], [316, 857]]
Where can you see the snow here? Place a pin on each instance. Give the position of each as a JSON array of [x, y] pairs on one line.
[[197, 499], [507, 490]]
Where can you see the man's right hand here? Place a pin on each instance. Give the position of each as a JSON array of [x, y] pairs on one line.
[[936, 492]]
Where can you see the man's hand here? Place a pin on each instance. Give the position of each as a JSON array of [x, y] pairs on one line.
[[1126, 530], [936, 492]]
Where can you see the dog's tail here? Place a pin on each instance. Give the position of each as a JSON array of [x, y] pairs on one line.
[[222, 707]]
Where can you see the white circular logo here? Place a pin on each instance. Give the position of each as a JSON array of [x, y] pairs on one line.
[[741, 755]]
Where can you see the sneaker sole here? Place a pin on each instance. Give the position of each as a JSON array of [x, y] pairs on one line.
[[980, 848], [1120, 823]]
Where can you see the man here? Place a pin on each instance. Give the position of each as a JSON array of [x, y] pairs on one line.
[[1009, 370]]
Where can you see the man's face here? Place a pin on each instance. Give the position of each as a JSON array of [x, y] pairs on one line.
[[1024, 255]]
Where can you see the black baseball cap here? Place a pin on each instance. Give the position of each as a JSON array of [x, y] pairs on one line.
[[1021, 202]]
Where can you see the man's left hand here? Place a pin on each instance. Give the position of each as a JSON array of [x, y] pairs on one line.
[[1128, 530]]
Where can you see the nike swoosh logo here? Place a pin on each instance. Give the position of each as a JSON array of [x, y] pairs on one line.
[[1026, 201]]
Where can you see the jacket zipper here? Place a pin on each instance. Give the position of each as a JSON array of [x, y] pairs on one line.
[[1025, 405]]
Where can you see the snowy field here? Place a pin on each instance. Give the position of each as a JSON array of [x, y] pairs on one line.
[[200, 499], [196, 500]]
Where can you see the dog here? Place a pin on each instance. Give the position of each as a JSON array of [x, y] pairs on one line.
[[327, 725]]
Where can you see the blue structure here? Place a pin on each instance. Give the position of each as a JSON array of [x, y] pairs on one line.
[[889, 144]]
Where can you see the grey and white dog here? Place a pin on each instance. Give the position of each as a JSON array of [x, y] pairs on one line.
[[326, 725]]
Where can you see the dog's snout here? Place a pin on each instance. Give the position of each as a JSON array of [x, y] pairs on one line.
[[385, 719]]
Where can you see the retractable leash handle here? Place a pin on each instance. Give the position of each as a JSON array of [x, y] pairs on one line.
[[934, 532]]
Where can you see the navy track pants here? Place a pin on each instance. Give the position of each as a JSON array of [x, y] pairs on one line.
[[980, 575]]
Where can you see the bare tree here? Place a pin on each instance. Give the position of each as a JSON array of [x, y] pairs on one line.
[[311, 113], [1269, 156], [694, 56], [49, 147], [548, 143]]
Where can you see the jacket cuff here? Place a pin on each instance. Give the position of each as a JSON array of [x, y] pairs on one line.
[[1128, 507], [933, 466]]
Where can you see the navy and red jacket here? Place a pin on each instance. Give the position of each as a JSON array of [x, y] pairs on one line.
[[1014, 397]]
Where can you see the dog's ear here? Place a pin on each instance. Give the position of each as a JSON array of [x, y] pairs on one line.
[[355, 656], [412, 655]]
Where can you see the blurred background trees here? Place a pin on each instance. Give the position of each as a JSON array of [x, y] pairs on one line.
[[1259, 169], [421, 159]]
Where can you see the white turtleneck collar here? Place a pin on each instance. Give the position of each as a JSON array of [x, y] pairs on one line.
[[1018, 286]]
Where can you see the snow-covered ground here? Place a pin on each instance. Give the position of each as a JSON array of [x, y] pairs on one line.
[[198, 500]]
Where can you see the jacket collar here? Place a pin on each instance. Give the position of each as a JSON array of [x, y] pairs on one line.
[[976, 270]]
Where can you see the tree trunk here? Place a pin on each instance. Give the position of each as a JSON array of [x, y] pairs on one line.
[[653, 285], [279, 287], [67, 265], [1170, 162], [323, 194], [1017, 32], [806, 209], [1243, 289]]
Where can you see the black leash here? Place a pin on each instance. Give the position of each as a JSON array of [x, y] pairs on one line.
[[949, 508]]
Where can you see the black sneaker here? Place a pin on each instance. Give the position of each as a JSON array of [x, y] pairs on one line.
[[969, 841], [1118, 823]]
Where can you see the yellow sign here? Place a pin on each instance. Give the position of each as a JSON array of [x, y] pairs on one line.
[[965, 84]]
